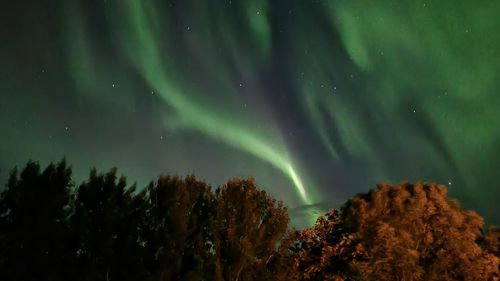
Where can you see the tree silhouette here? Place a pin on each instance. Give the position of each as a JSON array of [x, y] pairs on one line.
[[106, 222], [177, 229], [34, 234]]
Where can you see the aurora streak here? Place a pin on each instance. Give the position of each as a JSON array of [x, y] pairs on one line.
[[318, 100]]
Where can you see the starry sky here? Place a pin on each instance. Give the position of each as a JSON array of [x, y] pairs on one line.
[[318, 100]]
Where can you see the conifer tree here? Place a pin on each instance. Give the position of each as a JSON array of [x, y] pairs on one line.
[[106, 223], [34, 235]]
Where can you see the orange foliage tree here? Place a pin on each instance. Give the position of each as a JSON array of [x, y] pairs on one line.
[[249, 226], [401, 232]]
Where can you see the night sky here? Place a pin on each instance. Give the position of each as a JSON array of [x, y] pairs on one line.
[[318, 100]]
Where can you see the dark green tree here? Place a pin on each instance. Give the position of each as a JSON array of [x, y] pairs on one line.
[[106, 224], [34, 233]]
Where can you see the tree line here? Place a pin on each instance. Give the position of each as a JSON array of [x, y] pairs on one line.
[[179, 228]]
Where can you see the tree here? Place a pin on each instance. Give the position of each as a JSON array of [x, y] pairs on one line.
[[249, 226], [178, 227], [106, 224], [324, 251], [401, 232], [492, 240], [34, 235]]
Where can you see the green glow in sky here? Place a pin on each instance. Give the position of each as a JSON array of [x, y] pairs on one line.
[[318, 100]]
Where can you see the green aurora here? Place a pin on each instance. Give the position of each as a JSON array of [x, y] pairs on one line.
[[316, 99]]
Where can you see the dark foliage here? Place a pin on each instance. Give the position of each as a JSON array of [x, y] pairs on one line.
[[180, 229], [106, 226], [174, 229], [34, 229]]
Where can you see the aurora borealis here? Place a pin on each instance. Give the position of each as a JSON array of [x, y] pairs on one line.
[[318, 100]]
